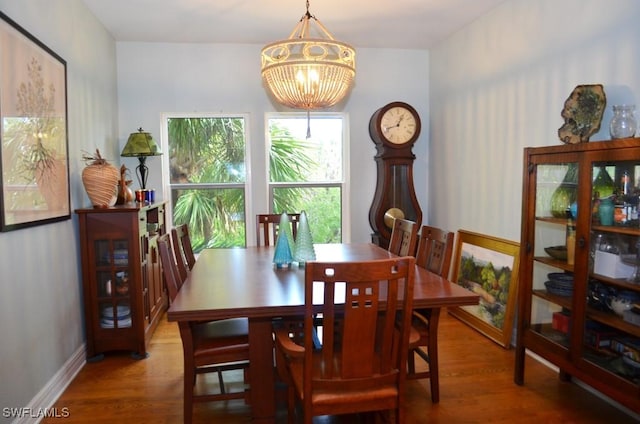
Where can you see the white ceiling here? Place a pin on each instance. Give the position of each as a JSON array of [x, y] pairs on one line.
[[412, 24]]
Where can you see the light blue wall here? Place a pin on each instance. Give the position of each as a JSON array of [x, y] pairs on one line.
[[41, 323], [500, 84], [157, 78]]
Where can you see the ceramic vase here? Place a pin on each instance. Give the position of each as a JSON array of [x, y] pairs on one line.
[[100, 180], [605, 211]]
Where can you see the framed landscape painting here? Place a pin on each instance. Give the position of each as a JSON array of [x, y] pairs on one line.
[[33, 136], [487, 266]]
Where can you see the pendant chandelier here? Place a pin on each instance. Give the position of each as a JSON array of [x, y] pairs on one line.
[[308, 71]]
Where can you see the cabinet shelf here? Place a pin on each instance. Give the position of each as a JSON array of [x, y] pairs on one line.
[[613, 321], [549, 333], [547, 260], [552, 219], [564, 301], [617, 229], [602, 317], [617, 282]]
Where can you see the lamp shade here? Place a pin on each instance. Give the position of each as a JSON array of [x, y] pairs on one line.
[[140, 143], [308, 70]]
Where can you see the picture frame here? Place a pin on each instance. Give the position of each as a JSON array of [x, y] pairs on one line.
[[34, 150], [488, 266]]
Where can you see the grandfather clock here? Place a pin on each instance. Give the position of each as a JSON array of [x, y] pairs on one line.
[[394, 129]]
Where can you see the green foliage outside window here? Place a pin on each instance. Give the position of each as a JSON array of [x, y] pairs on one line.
[[207, 167]]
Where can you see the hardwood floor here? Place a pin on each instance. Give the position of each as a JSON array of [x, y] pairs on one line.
[[476, 386]]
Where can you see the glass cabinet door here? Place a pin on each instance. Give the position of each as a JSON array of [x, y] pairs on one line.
[[556, 196], [112, 283], [611, 328]]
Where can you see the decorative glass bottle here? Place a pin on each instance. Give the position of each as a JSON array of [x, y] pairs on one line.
[[283, 255], [603, 185], [566, 193], [304, 250], [623, 124]]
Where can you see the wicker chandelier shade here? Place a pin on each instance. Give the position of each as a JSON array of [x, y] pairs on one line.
[[308, 71]]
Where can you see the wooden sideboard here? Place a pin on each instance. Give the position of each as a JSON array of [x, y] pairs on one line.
[[124, 295]]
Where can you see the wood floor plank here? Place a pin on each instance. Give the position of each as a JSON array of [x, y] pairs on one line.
[[476, 386]]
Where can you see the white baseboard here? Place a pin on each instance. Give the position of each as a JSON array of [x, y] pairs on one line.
[[42, 403]]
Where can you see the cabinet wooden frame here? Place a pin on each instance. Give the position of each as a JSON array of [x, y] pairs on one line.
[[478, 250], [121, 239], [575, 347]]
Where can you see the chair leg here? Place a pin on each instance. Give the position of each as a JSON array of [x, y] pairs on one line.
[[291, 404], [433, 374], [189, 383], [433, 356]]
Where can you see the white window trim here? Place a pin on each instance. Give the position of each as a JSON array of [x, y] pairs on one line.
[[166, 186], [345, 183]]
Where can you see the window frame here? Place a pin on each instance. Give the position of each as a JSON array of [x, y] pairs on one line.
[[246, 186], [343, 184]]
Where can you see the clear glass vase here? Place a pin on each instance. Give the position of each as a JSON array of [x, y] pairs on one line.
[[623, 124]]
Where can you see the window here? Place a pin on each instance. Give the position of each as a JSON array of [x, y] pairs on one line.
[[308, 173], [207, 178], [205, 168]]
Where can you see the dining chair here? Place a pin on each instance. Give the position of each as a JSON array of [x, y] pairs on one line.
[[435, 247], [360, 365], [212, 346], [185, 258], [267, 226], [404, 236], [178, 253]]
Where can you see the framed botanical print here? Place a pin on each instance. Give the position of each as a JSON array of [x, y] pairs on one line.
[[488, 266], [33, 131]]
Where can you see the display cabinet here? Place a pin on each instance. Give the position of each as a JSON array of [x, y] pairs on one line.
[[124, 295], [579, 294]]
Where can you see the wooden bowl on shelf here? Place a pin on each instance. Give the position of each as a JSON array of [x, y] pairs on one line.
[[557, 252]]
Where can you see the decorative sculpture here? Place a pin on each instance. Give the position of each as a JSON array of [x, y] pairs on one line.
[[284, 243], [304, 251], [582, 114]]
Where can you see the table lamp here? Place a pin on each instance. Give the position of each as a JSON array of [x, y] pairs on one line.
[[140, 144]]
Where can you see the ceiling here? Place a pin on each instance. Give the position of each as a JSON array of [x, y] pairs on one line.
[[411, 24]]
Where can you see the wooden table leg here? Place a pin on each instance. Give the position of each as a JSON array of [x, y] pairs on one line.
[[261, 371]]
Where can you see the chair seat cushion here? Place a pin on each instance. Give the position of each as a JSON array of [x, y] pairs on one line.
[[225, 336], [384, 393], [234, 327]]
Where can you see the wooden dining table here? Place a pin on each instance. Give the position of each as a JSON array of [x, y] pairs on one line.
[[244, 282]]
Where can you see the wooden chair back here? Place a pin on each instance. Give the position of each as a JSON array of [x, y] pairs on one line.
[[182, 244], [404, 236], [435, 248], [363, 346], [172, 279], [268, 225], [434, 253]]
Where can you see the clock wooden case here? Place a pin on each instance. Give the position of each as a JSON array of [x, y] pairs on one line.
[[394, 129]]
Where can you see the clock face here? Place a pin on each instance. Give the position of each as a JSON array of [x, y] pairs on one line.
[[398, 125]]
